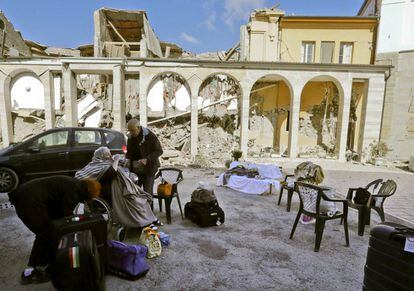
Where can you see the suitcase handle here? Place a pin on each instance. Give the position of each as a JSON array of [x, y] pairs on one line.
[[404, 229], [402, 233]]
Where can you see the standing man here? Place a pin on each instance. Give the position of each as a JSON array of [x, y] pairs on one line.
[[143, 151]]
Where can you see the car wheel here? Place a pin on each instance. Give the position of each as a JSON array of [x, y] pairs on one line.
[[8, 180]]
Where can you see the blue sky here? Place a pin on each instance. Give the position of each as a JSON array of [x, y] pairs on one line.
[[196, 25]]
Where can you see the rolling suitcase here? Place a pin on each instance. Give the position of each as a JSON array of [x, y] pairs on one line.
[[390, 264], [204, 214], [93, 221], [77, 265]]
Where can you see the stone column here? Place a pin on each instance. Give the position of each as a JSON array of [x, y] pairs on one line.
[[144, 83], [194, 88], [118, 108], [343, 119], [48, 84], [294, 120], [244, 119], [5, 108], [70, 90], [373, 113]]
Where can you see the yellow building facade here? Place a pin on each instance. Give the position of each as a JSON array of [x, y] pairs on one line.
[[271, 36]]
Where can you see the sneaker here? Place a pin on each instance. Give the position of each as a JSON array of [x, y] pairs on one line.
[[34, 276], [120, 234]]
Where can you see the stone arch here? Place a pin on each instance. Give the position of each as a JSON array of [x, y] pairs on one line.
[[27, 91], [226, 77], [8, 123], [270, 99], [221, 122], [159, 91], [321, 102]]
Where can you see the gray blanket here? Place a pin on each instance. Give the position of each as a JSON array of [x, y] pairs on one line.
[[130, 204]]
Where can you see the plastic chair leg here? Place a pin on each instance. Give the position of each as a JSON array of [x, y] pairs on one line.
[[361, 221], [160, 204], [368, 216], [179, 205], [289, 200], [280, 195], [346, 231], [168, 209], [380, 211], [295, 224], [319, 233]]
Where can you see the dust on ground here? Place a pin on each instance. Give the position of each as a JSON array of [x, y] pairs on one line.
[[251, 250]]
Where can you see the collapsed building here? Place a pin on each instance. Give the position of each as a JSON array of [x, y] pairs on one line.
[[273, 94]]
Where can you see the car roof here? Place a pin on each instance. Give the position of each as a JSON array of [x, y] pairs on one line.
[[87, 128]]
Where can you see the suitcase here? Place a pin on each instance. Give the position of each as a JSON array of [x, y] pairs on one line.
[[204, 214], [388, 266], [77, 265], [93, 221]]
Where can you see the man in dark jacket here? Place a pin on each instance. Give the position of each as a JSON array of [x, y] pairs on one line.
[[143, 151], [40, 201]]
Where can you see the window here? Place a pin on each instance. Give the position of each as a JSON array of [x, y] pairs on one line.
[[345, 53], [308, 51], [327, 51], [54, 139], [109, 137], [87, 137]]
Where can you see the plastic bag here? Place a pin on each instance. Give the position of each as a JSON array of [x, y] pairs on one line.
[[149, 238]]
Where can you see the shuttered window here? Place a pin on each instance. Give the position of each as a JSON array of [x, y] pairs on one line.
[[345, 52], [327, 51], [308, 52]]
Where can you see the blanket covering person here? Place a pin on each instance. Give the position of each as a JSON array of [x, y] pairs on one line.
[[130, 204]]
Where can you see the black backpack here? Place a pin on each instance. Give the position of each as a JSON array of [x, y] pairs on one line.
[[361, 196]]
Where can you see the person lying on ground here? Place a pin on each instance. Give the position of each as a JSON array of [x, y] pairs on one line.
[[40, 201], [130, 204]]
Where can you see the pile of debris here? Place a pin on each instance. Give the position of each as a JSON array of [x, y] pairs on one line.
[[27, 124], [214, 145]]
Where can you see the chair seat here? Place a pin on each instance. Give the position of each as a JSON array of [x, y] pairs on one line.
[[164, 196]]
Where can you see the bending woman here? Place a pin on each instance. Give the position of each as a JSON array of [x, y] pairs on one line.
[[130, 204]]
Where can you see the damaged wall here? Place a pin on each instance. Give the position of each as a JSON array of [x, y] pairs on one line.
[[269, 106], [14, 45], [124, 33]]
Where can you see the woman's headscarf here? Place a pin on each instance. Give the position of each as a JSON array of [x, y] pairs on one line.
[[101, 161]]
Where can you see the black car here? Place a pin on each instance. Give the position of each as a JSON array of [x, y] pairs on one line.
[[60, 151]]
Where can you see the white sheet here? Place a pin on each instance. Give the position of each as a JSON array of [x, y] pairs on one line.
[[250, 185], [265, 170]]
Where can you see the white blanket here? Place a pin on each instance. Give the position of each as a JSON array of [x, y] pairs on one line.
[[265, 170], [250, 185]]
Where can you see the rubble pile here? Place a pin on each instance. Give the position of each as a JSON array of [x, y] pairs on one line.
[[27, 125], [316, 151], [214, 145]]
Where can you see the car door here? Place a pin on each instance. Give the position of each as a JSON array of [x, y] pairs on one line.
[[46, 155], [84, 142]]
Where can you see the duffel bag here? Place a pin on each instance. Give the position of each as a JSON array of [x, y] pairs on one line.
[[204, 214], [127, 261]]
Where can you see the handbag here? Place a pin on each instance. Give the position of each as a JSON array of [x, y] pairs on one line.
[[165, 189], [127, 261]]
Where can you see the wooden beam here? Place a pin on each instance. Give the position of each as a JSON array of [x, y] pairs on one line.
[[121, 42], [188, 112], [117, 32]]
